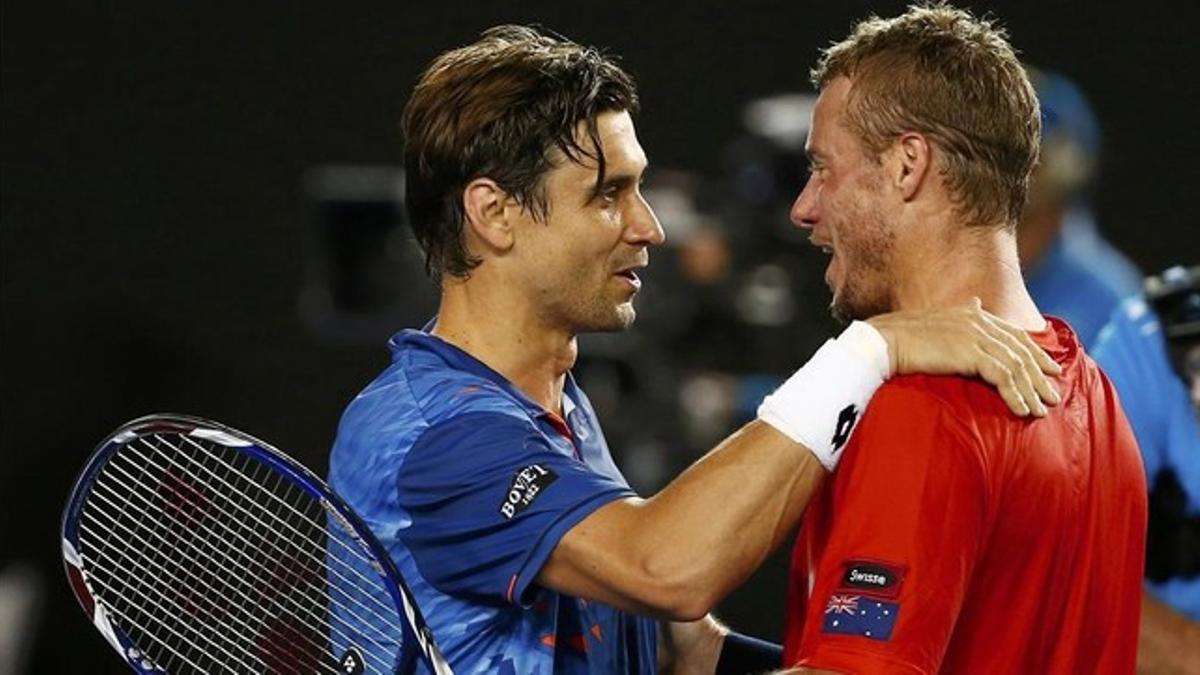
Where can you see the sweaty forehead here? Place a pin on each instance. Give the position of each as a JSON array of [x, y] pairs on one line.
[[826, 123], [623, 154]]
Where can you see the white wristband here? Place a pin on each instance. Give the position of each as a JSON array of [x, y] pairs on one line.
[[820, 404]]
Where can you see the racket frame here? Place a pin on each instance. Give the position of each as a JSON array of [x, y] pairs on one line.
[[414, 626]]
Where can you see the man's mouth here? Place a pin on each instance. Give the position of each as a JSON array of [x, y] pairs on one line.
[[825, 245], [828, 250], [630, 276]]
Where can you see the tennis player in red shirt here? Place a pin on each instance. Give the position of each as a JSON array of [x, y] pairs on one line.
[[955, 537]]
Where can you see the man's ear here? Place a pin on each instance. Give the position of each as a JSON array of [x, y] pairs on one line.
[[915, 161], [484, 204]]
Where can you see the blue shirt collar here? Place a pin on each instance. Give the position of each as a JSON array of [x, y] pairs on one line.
[[461, 360]]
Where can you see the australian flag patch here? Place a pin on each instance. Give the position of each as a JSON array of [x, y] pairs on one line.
[[860, 615]]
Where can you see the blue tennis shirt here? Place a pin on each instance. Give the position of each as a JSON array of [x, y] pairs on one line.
[[1133, 352], [469, 484]]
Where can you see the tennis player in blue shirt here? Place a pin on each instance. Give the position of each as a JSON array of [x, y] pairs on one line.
[[478, 460]]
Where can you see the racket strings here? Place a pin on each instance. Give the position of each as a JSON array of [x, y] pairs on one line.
[[255, 480], [163, 603], [141, 606], [353, 551], [153, 569], [248, 545], [140, 617], [379, 610], [187, 599], [255, 492], [224, 542]]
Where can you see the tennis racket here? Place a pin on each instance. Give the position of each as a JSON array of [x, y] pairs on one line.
[[196, 548]]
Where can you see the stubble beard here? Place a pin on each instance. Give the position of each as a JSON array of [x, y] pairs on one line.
[[609, 319], [600, 313], [868, 288]]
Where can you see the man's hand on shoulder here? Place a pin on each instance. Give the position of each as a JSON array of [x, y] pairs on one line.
[[967, 340]]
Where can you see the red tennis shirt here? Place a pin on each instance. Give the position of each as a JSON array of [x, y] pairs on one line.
[[955, 537]]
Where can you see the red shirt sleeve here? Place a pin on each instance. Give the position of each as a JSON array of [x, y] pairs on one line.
[[908, 511]]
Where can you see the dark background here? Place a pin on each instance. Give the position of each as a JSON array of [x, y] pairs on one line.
[[153, 238]]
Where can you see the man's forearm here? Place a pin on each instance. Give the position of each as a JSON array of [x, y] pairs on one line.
[[716, 523], [678, 553]]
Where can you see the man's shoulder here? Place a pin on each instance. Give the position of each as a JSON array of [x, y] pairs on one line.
[[408, 400], [962, 397], [932, 415], [921, 416], [914, 427], [434, 393]]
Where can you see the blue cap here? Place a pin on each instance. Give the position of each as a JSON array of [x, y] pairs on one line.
[[1065, 110]]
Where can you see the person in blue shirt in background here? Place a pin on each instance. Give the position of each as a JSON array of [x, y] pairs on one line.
[[1151, 352], [1071, 271]]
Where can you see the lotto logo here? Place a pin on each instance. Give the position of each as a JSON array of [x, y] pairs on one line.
[[845, 424]]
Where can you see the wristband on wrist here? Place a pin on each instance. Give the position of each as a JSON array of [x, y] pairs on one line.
[[819, 405]]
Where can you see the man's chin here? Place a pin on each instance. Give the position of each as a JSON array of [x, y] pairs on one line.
[[844, 311], [839, 314], [621, 319], [624, 318], [841, 310]]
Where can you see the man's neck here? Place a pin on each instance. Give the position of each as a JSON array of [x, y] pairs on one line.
[[970, 262], [504, 332]]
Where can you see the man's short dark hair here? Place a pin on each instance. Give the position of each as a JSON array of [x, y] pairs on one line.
[[500, 108]]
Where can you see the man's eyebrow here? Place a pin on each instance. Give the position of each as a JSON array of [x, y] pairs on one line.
[[616, 182]]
